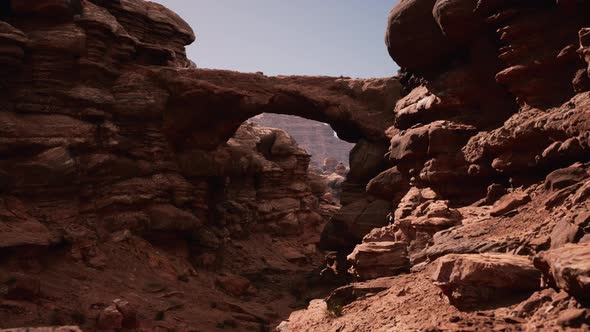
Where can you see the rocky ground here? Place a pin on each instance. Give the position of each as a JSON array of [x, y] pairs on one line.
[[134, 197]]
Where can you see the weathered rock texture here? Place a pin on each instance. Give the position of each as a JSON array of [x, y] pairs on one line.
[[477, 279], [487, 169], [316, 138], [128, 176], [568, 268]]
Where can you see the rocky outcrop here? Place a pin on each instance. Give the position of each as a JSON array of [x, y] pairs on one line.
[[551, 60], [487, 169]]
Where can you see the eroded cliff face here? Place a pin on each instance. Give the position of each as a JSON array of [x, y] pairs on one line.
[[490, 149], [132, 193]]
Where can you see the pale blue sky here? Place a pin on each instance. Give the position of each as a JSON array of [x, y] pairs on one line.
[[310, 37]]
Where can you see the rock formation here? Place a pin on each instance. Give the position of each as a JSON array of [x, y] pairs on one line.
[[489, 152], [128, 176], [133, 195]]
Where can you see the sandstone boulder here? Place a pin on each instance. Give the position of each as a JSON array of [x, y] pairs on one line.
[[383, 234], [372, 260], [573, 318], [472, 279], [414, 39], [565, 232], [456, 19], [129, 313], [439, 137], [567, 268], [233, 284], [564, 177], [412, 199], [419, 217], [510, 202]]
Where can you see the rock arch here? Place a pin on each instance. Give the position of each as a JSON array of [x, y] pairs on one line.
[[105, 123], [206, 107], [214, 103]]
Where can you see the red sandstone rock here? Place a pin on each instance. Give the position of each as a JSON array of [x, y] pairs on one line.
[[567, 268], [233, 284], [129, 313], [389, 184], [530, 121], [372, 260], [456, 19], [383, 234], [170, 218], [509, 202], [470, 280], [414, 40], [19, 228], [565, 177], [565, 232]]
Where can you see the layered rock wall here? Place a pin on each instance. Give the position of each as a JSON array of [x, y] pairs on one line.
[[127, 176]]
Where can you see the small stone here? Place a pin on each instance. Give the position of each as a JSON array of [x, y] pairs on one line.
[[510, 202], [110, 318], [571, 317]]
